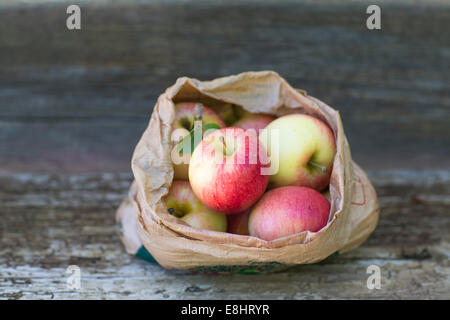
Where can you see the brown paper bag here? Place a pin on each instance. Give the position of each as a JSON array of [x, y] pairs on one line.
[[175, 245]]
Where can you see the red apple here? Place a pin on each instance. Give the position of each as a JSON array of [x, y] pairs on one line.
[[302, 153], [182, 203], [238, 223], [225, 170], [288, 210], [185, 115], [256, 121]]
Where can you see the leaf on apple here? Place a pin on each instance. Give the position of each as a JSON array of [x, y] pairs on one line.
[[188, 143], [211, 127]]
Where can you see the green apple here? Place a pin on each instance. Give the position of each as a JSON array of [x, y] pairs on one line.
[[326, 194], [182, 203], [301, 149], [230, 113]]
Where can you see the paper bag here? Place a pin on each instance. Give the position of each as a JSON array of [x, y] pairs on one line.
[[148, 230]]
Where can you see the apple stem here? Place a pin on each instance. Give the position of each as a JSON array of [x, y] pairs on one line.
[[224, 150], [198, 109], [318, 166]]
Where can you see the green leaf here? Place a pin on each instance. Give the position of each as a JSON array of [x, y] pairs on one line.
[[187, 145], [210, 126]]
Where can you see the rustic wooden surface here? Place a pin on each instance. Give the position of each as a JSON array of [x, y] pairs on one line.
[[74, 103], [52, 221]]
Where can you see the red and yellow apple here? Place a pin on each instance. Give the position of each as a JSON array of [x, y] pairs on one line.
[[182, 203], [225, 170], [302, 148], [185, 116], [238, 223], [288, 210], [256, 121]]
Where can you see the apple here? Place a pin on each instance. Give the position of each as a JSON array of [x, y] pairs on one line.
[[225, 170], [288, 210], [256, 121], [181, 167], [230, 113], [238, 223], [185, 115], [182, 203], [326, 194], [302, 150]]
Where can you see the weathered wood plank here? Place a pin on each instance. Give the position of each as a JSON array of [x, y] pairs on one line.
[[77, 101], [50, 221]]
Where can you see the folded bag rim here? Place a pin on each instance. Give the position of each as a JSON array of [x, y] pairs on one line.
[[153, 186]]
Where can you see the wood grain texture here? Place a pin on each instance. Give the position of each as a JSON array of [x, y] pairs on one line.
[[79, 100], [51, 221]]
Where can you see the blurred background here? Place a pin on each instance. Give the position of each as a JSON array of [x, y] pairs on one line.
[[78, 100]]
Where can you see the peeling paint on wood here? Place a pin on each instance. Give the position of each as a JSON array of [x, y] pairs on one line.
[[51, 221]]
